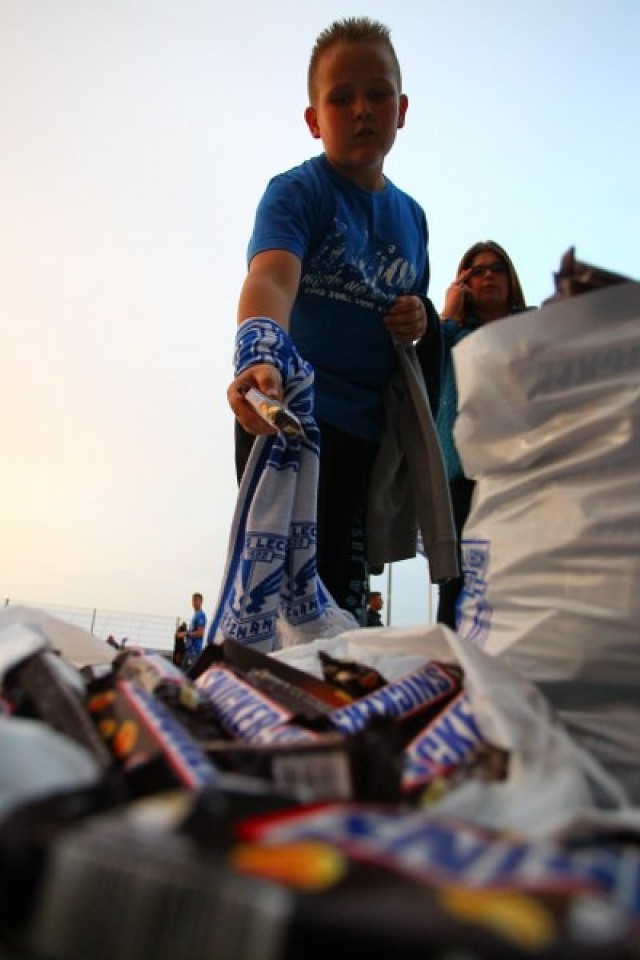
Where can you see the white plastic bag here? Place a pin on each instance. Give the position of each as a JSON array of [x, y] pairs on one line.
[[551, 782], [549, 426]]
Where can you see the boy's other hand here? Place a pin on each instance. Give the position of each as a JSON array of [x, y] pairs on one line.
[[406, 321]]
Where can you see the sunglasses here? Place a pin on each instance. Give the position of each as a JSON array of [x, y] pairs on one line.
[[495, 268]]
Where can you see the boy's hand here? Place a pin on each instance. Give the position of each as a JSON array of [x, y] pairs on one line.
[[406, 321], [264, 377]]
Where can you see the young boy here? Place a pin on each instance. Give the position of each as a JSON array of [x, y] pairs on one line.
[[338, 258], [192, 637]]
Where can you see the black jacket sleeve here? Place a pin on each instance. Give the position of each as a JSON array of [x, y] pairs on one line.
[[430, 352]]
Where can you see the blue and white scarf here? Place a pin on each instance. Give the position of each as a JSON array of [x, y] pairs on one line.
[[271, 595]]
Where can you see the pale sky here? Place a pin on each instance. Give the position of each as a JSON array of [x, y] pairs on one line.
[[137, 137]]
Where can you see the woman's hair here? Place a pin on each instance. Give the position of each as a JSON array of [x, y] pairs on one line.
[[516, 296], [350, 30]]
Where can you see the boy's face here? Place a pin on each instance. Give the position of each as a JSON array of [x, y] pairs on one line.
[[357, 109]]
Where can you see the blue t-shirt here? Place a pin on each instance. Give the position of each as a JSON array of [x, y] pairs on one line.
[[193, 645], [360, 250]]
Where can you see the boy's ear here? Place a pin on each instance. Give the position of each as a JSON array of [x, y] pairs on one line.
[[402, 109], [311, 119]]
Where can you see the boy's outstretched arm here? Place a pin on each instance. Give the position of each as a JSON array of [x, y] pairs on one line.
[[269, 290]]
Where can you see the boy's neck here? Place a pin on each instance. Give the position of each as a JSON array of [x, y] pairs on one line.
[[372, 180]]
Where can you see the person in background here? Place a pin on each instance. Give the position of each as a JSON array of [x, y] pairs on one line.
[[374, 606], [486, 288], [178, 645], [338, 259], [192, 636]]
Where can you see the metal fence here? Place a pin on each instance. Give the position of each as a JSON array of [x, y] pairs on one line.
[[156, 631], [149, 630]]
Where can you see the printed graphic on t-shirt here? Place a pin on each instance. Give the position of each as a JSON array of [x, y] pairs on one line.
[[350, 268]]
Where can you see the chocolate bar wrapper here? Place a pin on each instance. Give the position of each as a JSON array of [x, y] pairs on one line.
[[248, 714], [372, 911], [293, 696], [410, 700], [138, 728], [364, 767], [451, 738], [439, 851], [355, 679], [169, 685], [149, 670], [276, 413], [46, 687], [321, 693], [320, 696]]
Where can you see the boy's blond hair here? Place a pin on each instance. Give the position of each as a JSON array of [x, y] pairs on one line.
[[350, 30]]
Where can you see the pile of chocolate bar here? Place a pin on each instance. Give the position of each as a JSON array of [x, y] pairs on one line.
[[252, 811]]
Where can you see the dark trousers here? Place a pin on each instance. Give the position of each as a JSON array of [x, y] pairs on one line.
[[346, 463], [461, 493]]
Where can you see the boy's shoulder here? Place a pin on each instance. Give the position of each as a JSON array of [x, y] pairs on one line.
[[304, 190], [312, 170], [405, 197]]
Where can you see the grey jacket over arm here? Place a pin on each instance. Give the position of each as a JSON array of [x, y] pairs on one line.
[[409, 490]]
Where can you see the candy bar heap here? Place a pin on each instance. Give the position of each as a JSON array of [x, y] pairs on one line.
[[251, 811]]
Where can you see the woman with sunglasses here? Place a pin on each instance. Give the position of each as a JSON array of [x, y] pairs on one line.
[[486, 288]]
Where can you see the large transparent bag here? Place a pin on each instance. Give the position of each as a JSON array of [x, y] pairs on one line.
[[549, 427], [552, 783]]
